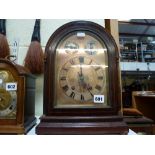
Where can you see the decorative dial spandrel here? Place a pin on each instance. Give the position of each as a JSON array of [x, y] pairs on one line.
[[82, 74], [8, 97]]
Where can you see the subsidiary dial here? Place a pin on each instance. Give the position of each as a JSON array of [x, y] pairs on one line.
[[91, 48], [71, 47]]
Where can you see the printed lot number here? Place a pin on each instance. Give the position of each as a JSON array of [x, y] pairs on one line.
[[11, 86], [98, 98]]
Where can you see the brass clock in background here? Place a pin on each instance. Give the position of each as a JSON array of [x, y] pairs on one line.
[[8, 99], [17, 99], [81, 82]]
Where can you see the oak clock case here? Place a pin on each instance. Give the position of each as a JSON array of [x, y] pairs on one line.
[[81, 82], [17, 90]]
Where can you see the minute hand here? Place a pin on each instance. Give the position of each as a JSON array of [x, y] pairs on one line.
[[81, 73], [89, 91]]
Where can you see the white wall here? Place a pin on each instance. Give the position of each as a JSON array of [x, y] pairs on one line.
[[133, 66], [20, 30]]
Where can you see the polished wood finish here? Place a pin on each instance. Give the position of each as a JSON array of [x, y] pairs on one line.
[[25, 117], [111, 25], [76, 125], [141, 123], [82, 120], [144, 101]]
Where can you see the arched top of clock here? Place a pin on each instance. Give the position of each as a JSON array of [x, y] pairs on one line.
[[88, 26]]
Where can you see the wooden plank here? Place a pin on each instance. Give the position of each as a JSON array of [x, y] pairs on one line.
[[112, 26]]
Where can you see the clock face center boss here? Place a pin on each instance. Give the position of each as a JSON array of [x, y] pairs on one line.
[[81, 71]]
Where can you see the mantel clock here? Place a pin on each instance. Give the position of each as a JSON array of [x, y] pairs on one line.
[[17, 98], [81, 82]]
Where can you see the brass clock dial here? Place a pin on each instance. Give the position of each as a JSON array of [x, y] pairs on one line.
[[81, 71], [81, 78], [8, 99]]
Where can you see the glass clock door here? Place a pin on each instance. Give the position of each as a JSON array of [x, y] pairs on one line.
[[81, 72]]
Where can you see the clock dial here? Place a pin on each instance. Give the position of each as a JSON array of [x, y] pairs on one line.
[[71, 47], [90, 48], [8, 99], [79, 80], [82, 74]]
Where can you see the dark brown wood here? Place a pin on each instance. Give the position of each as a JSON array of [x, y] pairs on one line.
[[81, 125], [103, 125], [111, 25], [140, 124], [145, 103], [25, 117]]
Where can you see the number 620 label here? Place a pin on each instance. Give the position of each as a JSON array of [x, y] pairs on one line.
[[98, 98], [11, 86]]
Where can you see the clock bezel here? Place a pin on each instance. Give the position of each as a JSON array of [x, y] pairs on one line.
[[113, 71]]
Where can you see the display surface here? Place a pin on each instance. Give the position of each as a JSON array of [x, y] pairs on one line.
[[81, 82], [17, 98]]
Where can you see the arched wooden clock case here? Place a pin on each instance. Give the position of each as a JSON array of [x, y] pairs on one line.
[[82, 92], [17, 99]]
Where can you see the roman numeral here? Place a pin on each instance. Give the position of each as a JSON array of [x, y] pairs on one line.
[[72, 95], [98, 87], [11, 107], [91, 94], [90, 88], [100, 77], [65, 69], [82, 97], [81, 59], [63, 78], [65, 88], [72, 62]]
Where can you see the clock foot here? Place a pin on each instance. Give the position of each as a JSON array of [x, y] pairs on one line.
[[18, 129]]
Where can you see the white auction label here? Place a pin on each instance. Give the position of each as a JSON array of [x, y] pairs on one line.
[[81, 34], [98, 98], [11, 86], [1, 81]]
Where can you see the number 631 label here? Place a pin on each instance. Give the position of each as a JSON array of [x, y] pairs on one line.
[[98, 98], [11, 86]]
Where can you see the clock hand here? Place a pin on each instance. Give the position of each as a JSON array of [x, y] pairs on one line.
[[82, 79], [80, 82], [81, 70], [88, 87]]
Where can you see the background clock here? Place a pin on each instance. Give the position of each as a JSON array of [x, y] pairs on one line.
[[17, 99], [81, 82], [8, 99]]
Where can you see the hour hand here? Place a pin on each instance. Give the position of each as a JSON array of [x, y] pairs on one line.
[[81, 70]]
